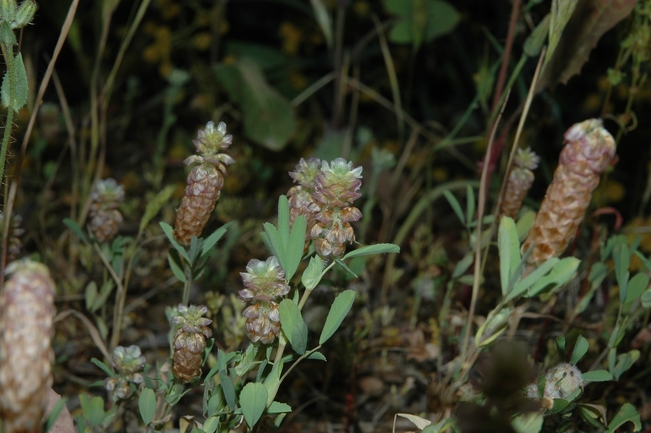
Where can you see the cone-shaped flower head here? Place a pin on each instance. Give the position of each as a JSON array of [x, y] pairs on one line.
[[263, 281], [337, 187], [204, 183], [301, 200], [26, 328], [519, 182], [190, 341], [128, 362], [588, 151], [105, 218], [264, 285], [14, 244]]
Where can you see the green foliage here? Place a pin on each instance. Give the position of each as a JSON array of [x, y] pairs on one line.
[[269, 118], [421, 20]]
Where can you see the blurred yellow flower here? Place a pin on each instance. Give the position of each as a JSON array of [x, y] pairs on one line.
[[202, 41], [291, 37], [361, 8], [168, 8]]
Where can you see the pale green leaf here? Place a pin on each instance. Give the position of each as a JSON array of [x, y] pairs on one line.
[[155, 205], [293, 325], [313, 274], [509, 251], [147, 405], [456, 206], [340, 308], [372, 249], [278, 407], [269, 118], [253, 401], [636, 286], [580, 348], [323, 18], [597, 376], [627, 413], [169, 232]]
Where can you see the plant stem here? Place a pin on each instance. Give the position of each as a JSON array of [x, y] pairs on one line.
[[187, 270]]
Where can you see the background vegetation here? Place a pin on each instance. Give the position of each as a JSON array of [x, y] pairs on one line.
[[422, 94]]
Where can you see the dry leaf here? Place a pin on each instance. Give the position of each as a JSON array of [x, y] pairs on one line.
[[590, 20]]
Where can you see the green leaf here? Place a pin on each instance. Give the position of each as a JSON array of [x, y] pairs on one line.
[[103, 367], [14, 87], [72, 225], [624, 362], [470, 204], [147, 405], [636, 286], [345, 266], [557, 277], [524, 224], [295, 246], [169, 232], [462, 265], [622, 257], [313, 274], [211, 240], [269, 118], [422, 20], [597, 376], [456, 206], [7, 36], [524, 284], [54, 413], [293, 325], [317, 356], [272, 381], [528, 422], [253, 400], [535, 41], [229, 388], [175, 265], [275, 242], [155, 205], [627, 413], [93, 409], [509, 251], [340, 308], [211, 424], [323, 18], [247, 360], [646, 298], [644, 260], [372, 249], [560, 343], [580, 348], [278, 407]]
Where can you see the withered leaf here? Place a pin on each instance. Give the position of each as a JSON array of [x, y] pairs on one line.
[[590, 20]]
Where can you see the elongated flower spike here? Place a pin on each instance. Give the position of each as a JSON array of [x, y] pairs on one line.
[[204, 183], [264, 286], [589, 150], [105, 218], [301, 196], [26, 355], [190, 341], [519, 182], [336, 188]]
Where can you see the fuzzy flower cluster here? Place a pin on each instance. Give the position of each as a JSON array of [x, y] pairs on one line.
[[264, 285], [560, 382], [128, 362], [325, 194], [205, 181], [190, 341], [105, 219]]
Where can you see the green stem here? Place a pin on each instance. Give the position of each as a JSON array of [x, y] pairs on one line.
[[187, 270], [9, 59]]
